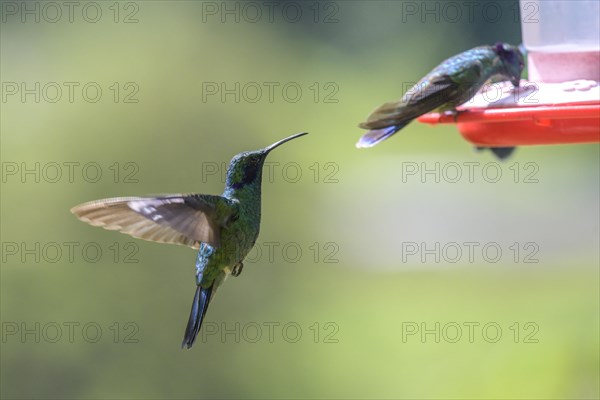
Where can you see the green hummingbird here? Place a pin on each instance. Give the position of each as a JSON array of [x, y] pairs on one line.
[[223, 228], [448, 85]]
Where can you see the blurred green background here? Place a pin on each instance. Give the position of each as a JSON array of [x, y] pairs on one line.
[[358, 210]]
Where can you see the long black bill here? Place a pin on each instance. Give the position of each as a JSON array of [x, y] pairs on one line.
[[282, 141]]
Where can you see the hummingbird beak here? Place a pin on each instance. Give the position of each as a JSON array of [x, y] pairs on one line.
[[282, 141], [516, 81]]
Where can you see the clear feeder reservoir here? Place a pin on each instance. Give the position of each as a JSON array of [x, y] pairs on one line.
[[562, 39]]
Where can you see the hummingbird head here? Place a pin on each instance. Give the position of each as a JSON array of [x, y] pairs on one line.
[[511, 60], [246, 168]]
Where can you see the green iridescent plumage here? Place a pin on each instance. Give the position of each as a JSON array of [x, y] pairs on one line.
[[448, 85], [223, 228]]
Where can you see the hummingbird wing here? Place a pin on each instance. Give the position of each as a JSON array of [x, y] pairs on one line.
[[180, 219], [427, 95], [451, 83]]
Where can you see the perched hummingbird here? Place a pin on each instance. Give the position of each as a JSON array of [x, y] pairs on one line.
[[223, 228], [448, 85]]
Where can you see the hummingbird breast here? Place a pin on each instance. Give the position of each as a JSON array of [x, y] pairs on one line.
[[237, 239]]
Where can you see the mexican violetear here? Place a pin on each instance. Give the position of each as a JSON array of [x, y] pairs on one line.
[[223, 228], [448, 85]]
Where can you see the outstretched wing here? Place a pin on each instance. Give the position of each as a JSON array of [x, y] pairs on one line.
[[180, 219]]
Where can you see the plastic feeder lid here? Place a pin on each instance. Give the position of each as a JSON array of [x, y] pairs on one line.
[[534, 114]]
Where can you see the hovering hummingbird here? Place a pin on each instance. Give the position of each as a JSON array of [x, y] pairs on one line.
[[448, 85], [223, 228]]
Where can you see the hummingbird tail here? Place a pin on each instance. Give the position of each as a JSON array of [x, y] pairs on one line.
[[199, 307], [375, 136]]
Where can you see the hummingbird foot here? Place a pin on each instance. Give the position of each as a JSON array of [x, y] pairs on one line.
[[501, 153], [454, 113], [237, 269]]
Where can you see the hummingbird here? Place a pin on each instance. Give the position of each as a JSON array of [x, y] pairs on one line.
[[222, 228], [448, 85]]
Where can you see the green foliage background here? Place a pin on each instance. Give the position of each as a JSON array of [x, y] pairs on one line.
[[369, 294]]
